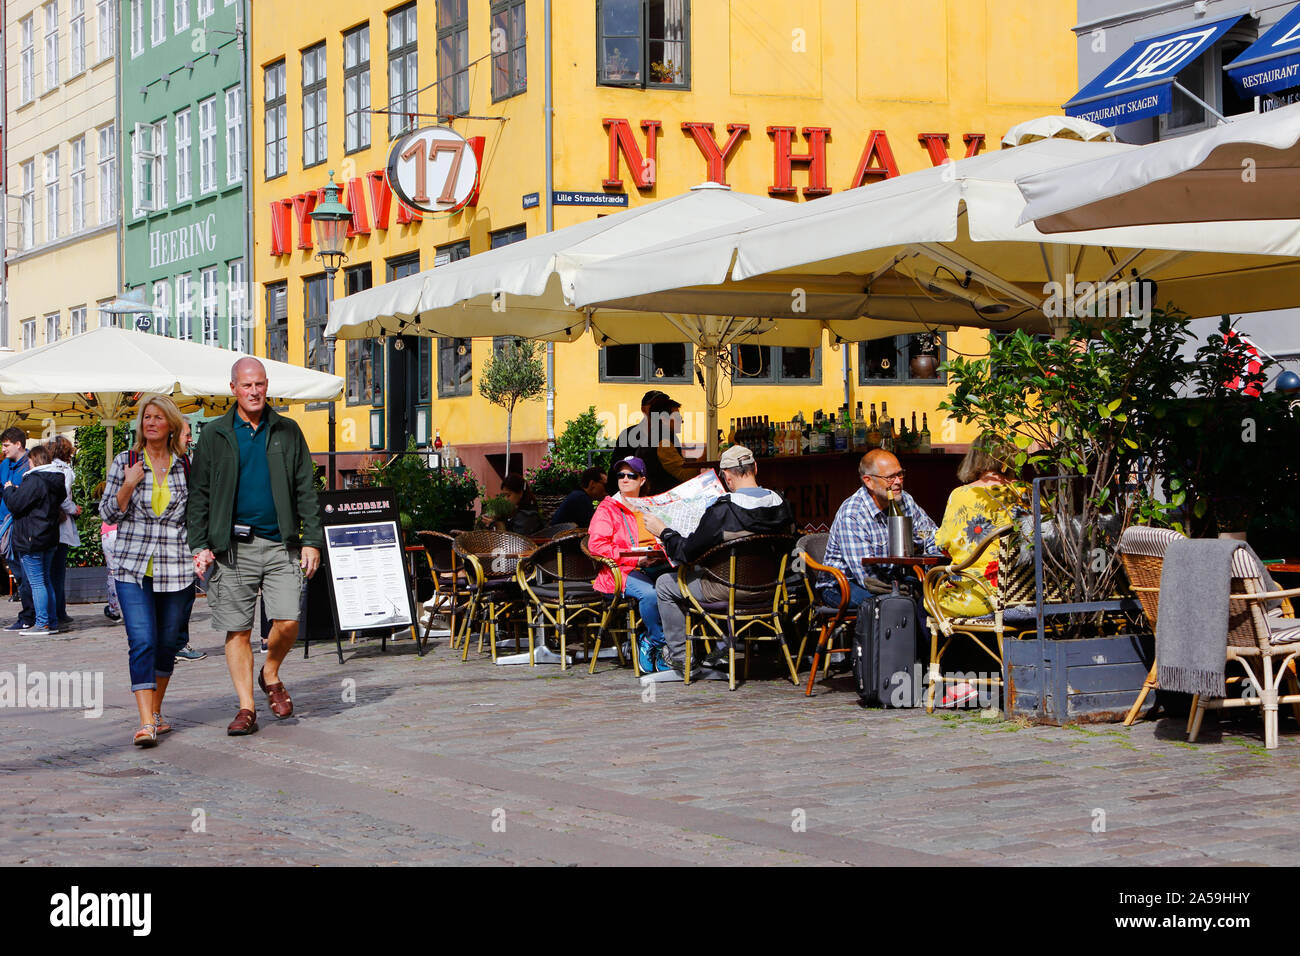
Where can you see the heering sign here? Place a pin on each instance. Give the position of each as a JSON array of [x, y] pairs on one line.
[[433, 169], [176, 245]]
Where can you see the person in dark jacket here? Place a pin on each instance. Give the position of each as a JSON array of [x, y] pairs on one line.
[[580, 504], [635, 439], [13, 465], [254, 519], [36, 506], [748, 509]]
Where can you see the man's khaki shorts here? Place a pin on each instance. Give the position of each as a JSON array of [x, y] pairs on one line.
[[240, 572]]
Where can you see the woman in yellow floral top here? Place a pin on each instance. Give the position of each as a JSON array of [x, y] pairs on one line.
[[988, 499]]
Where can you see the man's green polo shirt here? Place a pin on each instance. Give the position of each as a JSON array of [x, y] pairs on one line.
[[254, 505]]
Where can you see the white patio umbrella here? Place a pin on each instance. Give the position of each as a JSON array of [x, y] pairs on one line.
[[99, 376], [526, 289], [946, 246], [1247, 169]]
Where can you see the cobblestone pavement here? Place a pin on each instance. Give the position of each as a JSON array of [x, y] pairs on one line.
[[435, 761]]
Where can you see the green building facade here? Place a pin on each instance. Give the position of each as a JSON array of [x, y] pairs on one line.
[[185, 134]]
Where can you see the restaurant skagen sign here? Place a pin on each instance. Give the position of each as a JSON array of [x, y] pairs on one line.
[[875, 162]]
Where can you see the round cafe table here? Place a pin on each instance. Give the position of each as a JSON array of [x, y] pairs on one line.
[[917, 562]]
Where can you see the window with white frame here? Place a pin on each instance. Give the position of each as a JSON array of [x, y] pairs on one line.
[[51, 45], [184, 157], [52, 327], [106, 21], [107, 173], [356, 88], [402, 70], [52, 195], [78, 314], [184, 307], [315, 146], [78, 181], [162, 307], [149, 152], [77, 39], [159, 32], [277, 134], [27, 70], [208, 145], [205, 8], [27, 205], [181, 16], [29, 333], [238, 305], [107, 320], [137, 27], [234, 134], [211, 306]]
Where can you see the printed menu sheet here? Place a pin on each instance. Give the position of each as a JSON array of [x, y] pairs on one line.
[[369, 576]]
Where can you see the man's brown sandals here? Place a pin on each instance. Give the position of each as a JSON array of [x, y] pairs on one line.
[[245, 723], [281, 703]]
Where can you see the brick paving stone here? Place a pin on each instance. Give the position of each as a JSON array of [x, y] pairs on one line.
[[587, 771]]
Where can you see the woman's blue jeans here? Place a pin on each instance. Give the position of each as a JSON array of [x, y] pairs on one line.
[[36, 568], [154, 621], [640, 585]]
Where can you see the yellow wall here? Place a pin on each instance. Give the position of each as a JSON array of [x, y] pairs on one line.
[[946, 66], [68, 270]]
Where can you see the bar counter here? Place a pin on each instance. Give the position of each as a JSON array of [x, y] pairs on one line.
[[816, 485]]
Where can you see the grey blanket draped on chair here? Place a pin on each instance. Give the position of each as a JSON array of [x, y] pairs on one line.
[[1192, 631]]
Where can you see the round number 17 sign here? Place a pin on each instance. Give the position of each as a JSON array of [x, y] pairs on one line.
[[433, 169]]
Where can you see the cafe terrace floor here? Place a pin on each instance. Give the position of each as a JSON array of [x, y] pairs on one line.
[[584, 769]]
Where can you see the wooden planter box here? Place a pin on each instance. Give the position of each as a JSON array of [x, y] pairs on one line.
[[1091, 680], [86, 585]]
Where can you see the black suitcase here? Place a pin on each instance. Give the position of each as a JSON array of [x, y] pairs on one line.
[[885, 649]]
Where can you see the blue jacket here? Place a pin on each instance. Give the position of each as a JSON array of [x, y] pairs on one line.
[[11, 471]]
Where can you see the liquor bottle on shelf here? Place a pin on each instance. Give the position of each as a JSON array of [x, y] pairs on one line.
[[437, 441], [839, 433], [828, 434], [924, 444], [731, 433], [901, 439], [859, 430], [874, 436], [769, 438]]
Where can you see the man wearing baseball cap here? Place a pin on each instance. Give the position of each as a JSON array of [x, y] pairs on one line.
[[748, 509]]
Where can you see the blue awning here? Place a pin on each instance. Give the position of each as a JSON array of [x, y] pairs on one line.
[[1140, 82], [1273, 61]]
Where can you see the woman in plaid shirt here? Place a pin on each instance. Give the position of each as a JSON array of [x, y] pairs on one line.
[[145, 496]]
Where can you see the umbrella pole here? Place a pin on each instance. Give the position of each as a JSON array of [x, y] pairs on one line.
[[711, 403], [108, 447]]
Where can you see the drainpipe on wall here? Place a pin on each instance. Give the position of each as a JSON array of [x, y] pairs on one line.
[[548, 114], [241, 37], [122, 153], [4, 177]]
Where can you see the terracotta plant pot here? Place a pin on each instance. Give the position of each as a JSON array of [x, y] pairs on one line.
[[925, 366]]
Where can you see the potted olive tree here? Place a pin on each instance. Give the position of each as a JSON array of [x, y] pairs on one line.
[[1079, 411]]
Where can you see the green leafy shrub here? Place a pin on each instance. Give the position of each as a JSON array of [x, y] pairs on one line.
[[88, 484], [580, 435], [427, 500]]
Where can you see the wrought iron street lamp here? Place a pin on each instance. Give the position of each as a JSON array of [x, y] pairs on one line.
[[330, 221]]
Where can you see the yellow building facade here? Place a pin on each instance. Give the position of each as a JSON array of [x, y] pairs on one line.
[[61, 170], [859, 89]]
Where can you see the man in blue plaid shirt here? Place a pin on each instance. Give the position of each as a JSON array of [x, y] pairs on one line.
[[861, 529]]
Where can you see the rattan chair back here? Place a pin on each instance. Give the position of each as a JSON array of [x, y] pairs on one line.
[[754, 564]]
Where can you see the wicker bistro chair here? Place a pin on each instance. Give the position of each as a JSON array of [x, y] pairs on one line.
[[753, 571], [616, 605], [1264, 641], [555, 530], [1015, 589], [451, 591], [557, 580], [490, 559], [833, 623], [1143, 552]]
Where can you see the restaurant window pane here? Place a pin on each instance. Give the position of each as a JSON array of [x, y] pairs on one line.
[[776, 365], [888, 361], [666, 363]]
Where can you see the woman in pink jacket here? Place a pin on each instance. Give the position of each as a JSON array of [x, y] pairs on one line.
[[617, 527]]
